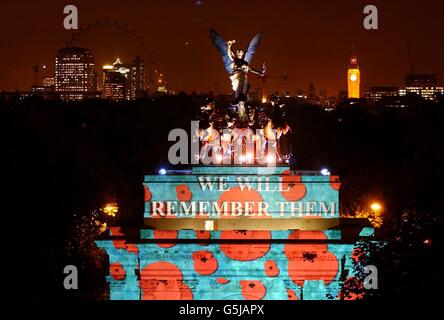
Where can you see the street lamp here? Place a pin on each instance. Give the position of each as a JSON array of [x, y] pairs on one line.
[[219, 158], [376, 207], [325, 172]]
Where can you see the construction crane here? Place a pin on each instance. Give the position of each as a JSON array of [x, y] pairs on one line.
[[409, 53], [265, 78], [36, 69], [265, 86]]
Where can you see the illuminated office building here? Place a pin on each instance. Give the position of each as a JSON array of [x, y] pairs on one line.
[[75, 78], [123, 81], [48, 82], [378, 93], [45, 91], [137, 83], [422, 85], [115, 81]]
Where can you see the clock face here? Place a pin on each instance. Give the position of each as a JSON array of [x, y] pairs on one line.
[[353, 77]]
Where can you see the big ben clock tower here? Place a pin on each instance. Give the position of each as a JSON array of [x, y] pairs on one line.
[[353, 77]]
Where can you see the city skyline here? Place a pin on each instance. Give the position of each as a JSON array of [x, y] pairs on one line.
[[304, 54], [76, 78], [424, 85]]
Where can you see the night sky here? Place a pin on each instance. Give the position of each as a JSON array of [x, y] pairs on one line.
[[310, 41]]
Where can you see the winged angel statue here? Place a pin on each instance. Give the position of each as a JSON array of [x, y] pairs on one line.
[[241, 113], [238, 63]]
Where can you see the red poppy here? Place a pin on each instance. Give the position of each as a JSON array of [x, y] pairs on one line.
[[253, 289], [245, 251], [203, 235], [334, 182], [249, 201], [147, 193], [165, 235], [204, 262], [292, 186], [183, 193], [310, 261], [291, 295], [163, 281], [271, 268], [222, 280], [117, 271]]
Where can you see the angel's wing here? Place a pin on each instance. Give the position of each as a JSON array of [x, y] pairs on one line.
[[252, 47], [221, 45]]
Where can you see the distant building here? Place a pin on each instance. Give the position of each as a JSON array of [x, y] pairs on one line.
[[422, 85], [426, 93], [300, 96], [48, 82], [216, 88], [75, 78], [137, 81], [282, 94], [421, 80], [342, 96], [123, 81], [312, 98], [115, 79], [331, 103], [46, 91], [257, 96], [328, 103], [378, 93], [323, 99], [396, 102], [163, 87], [353, 77]]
